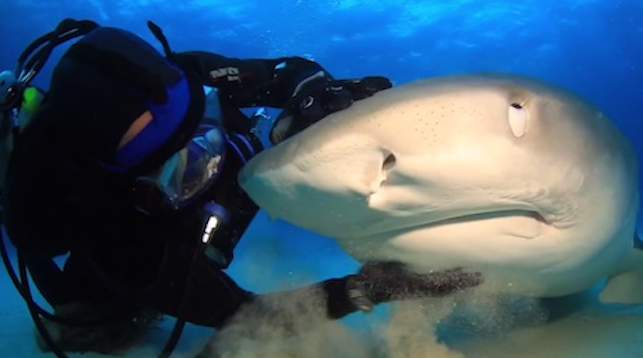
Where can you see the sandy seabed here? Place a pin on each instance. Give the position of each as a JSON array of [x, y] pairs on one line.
[[468, 325]]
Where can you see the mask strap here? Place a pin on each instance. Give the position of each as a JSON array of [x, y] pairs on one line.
[[30, 63], [158, 33]]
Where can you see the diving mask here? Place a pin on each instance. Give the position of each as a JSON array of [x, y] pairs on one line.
[[184, 176]]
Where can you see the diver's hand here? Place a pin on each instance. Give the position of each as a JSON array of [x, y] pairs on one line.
[[364, 87], [379, 282], [318, 96]]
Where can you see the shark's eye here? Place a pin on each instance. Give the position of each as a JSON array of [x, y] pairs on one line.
[[518, 119]]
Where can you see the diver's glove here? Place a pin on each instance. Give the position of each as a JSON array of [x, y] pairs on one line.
[[379, 282], [318, 96]]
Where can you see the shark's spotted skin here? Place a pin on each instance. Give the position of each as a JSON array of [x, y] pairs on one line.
[[499, 173]]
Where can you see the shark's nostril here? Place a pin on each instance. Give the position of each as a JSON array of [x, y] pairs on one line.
[[375, 184], [389, 162]]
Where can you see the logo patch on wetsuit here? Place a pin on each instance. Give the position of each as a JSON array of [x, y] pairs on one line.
[[230, 73]]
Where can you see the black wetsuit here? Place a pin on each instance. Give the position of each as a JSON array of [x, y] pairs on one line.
[[120, 254]]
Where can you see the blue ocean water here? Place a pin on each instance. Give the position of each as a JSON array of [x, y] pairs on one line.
[[592, 47]]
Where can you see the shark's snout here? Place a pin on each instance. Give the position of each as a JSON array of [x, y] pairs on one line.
[[339, 178]]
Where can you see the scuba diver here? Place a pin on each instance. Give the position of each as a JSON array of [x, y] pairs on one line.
[[120, 171]]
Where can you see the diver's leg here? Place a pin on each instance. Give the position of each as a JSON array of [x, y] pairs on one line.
[[121, 325]]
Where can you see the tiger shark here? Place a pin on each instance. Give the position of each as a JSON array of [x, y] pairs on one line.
[[516, 178]]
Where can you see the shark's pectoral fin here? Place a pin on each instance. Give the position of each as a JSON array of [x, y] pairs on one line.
[[626, 285]]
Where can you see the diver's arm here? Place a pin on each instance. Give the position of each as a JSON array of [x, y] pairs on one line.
[[214, 299], [303, 89], [250, 82], [376, 282], [286, 313]]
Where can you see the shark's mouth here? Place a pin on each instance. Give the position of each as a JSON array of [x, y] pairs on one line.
[[491, 215], [518, 223], [492, 239]]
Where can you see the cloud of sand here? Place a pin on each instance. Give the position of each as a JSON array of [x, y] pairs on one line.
[[282, 326], [410, 329]]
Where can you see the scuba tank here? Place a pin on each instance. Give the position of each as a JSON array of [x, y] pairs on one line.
[[15, 119]]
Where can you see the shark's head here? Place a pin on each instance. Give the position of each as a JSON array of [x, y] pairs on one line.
[[505, 174]]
